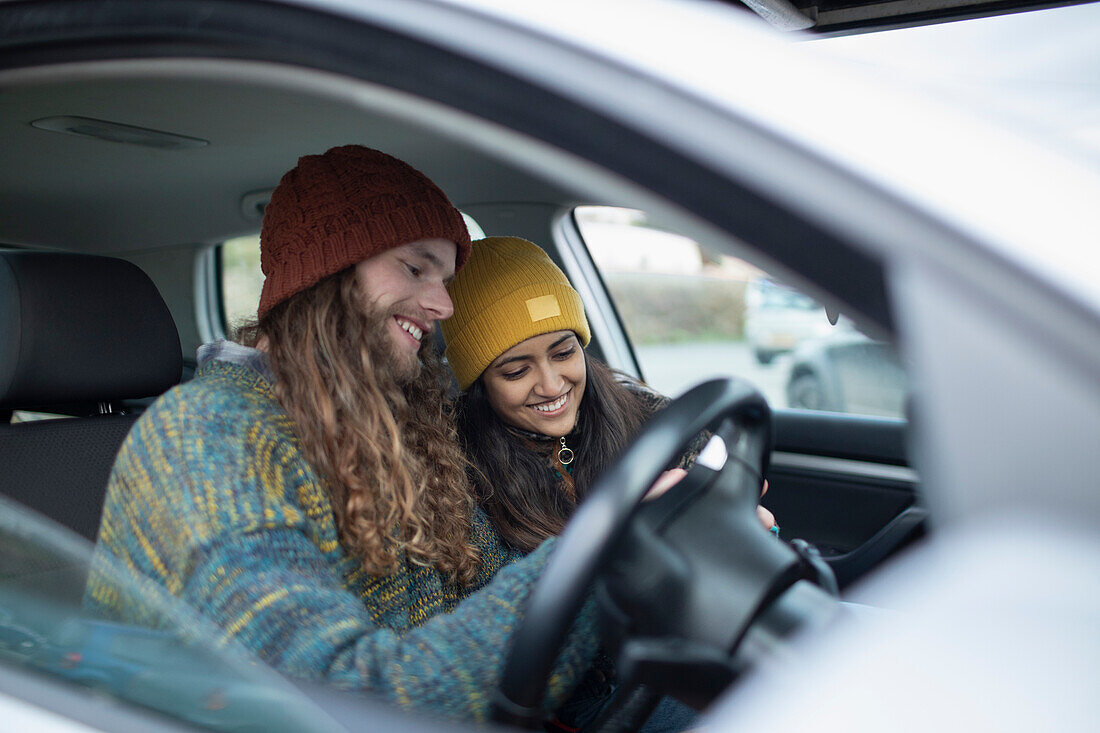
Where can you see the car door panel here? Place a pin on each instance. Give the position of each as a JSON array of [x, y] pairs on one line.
[[842, 483]]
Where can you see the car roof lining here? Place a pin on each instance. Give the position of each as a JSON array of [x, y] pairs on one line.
[[304, 111], [109, 185]]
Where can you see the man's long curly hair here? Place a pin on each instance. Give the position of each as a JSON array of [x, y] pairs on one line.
[[386, 444]]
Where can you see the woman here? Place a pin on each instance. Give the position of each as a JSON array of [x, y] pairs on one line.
[[536, 409], [539, 418]]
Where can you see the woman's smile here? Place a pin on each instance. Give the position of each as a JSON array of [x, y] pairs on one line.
[[553, 408]]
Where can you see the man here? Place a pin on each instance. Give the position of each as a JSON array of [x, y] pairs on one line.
[[305, 490]]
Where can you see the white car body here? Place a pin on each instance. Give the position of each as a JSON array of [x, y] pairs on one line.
[[1000, 607]]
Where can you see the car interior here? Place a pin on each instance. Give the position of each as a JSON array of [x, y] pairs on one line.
[[138, 216], [129, 161]]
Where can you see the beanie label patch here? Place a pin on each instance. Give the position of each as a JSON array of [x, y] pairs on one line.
[[543, 307]]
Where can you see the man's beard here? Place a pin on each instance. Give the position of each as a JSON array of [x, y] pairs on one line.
[[402, 368]]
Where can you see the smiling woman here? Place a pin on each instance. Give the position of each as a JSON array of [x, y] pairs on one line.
[[539, 417]]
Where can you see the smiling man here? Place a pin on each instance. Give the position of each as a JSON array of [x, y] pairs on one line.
[[305, 490]]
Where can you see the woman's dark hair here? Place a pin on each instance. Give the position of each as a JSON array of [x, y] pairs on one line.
[[512, 475]]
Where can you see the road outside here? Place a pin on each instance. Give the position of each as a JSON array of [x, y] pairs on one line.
[[672, 368]]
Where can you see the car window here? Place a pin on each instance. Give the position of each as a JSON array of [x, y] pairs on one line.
[[692, 313], [241, 278], [176, 663]]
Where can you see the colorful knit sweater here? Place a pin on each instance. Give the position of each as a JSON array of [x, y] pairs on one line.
[[211, 499]]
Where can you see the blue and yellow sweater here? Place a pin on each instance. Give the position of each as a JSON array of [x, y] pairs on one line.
[[211, 500]]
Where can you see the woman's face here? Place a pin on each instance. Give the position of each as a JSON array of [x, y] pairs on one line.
[[538, 384]]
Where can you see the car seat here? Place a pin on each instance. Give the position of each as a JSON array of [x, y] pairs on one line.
[[80, 335]]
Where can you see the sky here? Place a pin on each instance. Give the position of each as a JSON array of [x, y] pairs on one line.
[[1042, 65]]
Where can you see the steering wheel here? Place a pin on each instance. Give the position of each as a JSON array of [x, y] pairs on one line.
[[737, 413]]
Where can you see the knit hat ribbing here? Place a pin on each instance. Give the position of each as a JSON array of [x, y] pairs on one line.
[[509, 291], [334, 210]]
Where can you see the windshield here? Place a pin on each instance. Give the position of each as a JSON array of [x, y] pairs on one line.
[[1043, 65]]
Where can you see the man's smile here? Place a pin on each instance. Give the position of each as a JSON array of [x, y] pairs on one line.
[[412, 328]]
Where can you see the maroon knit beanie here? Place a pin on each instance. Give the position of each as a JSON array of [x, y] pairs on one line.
[[335, 210]]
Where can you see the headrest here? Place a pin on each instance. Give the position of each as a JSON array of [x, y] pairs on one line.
[[81, 329]]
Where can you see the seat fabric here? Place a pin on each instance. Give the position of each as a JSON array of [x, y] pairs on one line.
[[78, 336]]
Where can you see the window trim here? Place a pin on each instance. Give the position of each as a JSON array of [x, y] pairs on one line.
[[209, 311], [608, 331]]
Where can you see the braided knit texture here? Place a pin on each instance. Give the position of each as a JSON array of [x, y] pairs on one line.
[[211, 500], [509, 291], [333, 210]]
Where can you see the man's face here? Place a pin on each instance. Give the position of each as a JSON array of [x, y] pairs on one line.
[[408, 285]]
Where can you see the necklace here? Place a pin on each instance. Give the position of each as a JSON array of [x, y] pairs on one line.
[[565, 454]]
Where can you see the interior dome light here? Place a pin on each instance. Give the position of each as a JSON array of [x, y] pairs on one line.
[[118, 133]]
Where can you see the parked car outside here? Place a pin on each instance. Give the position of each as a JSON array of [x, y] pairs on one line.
[[779, 318], [847, 372]]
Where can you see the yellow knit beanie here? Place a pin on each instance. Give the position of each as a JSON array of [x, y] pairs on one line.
[[509, 291]]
